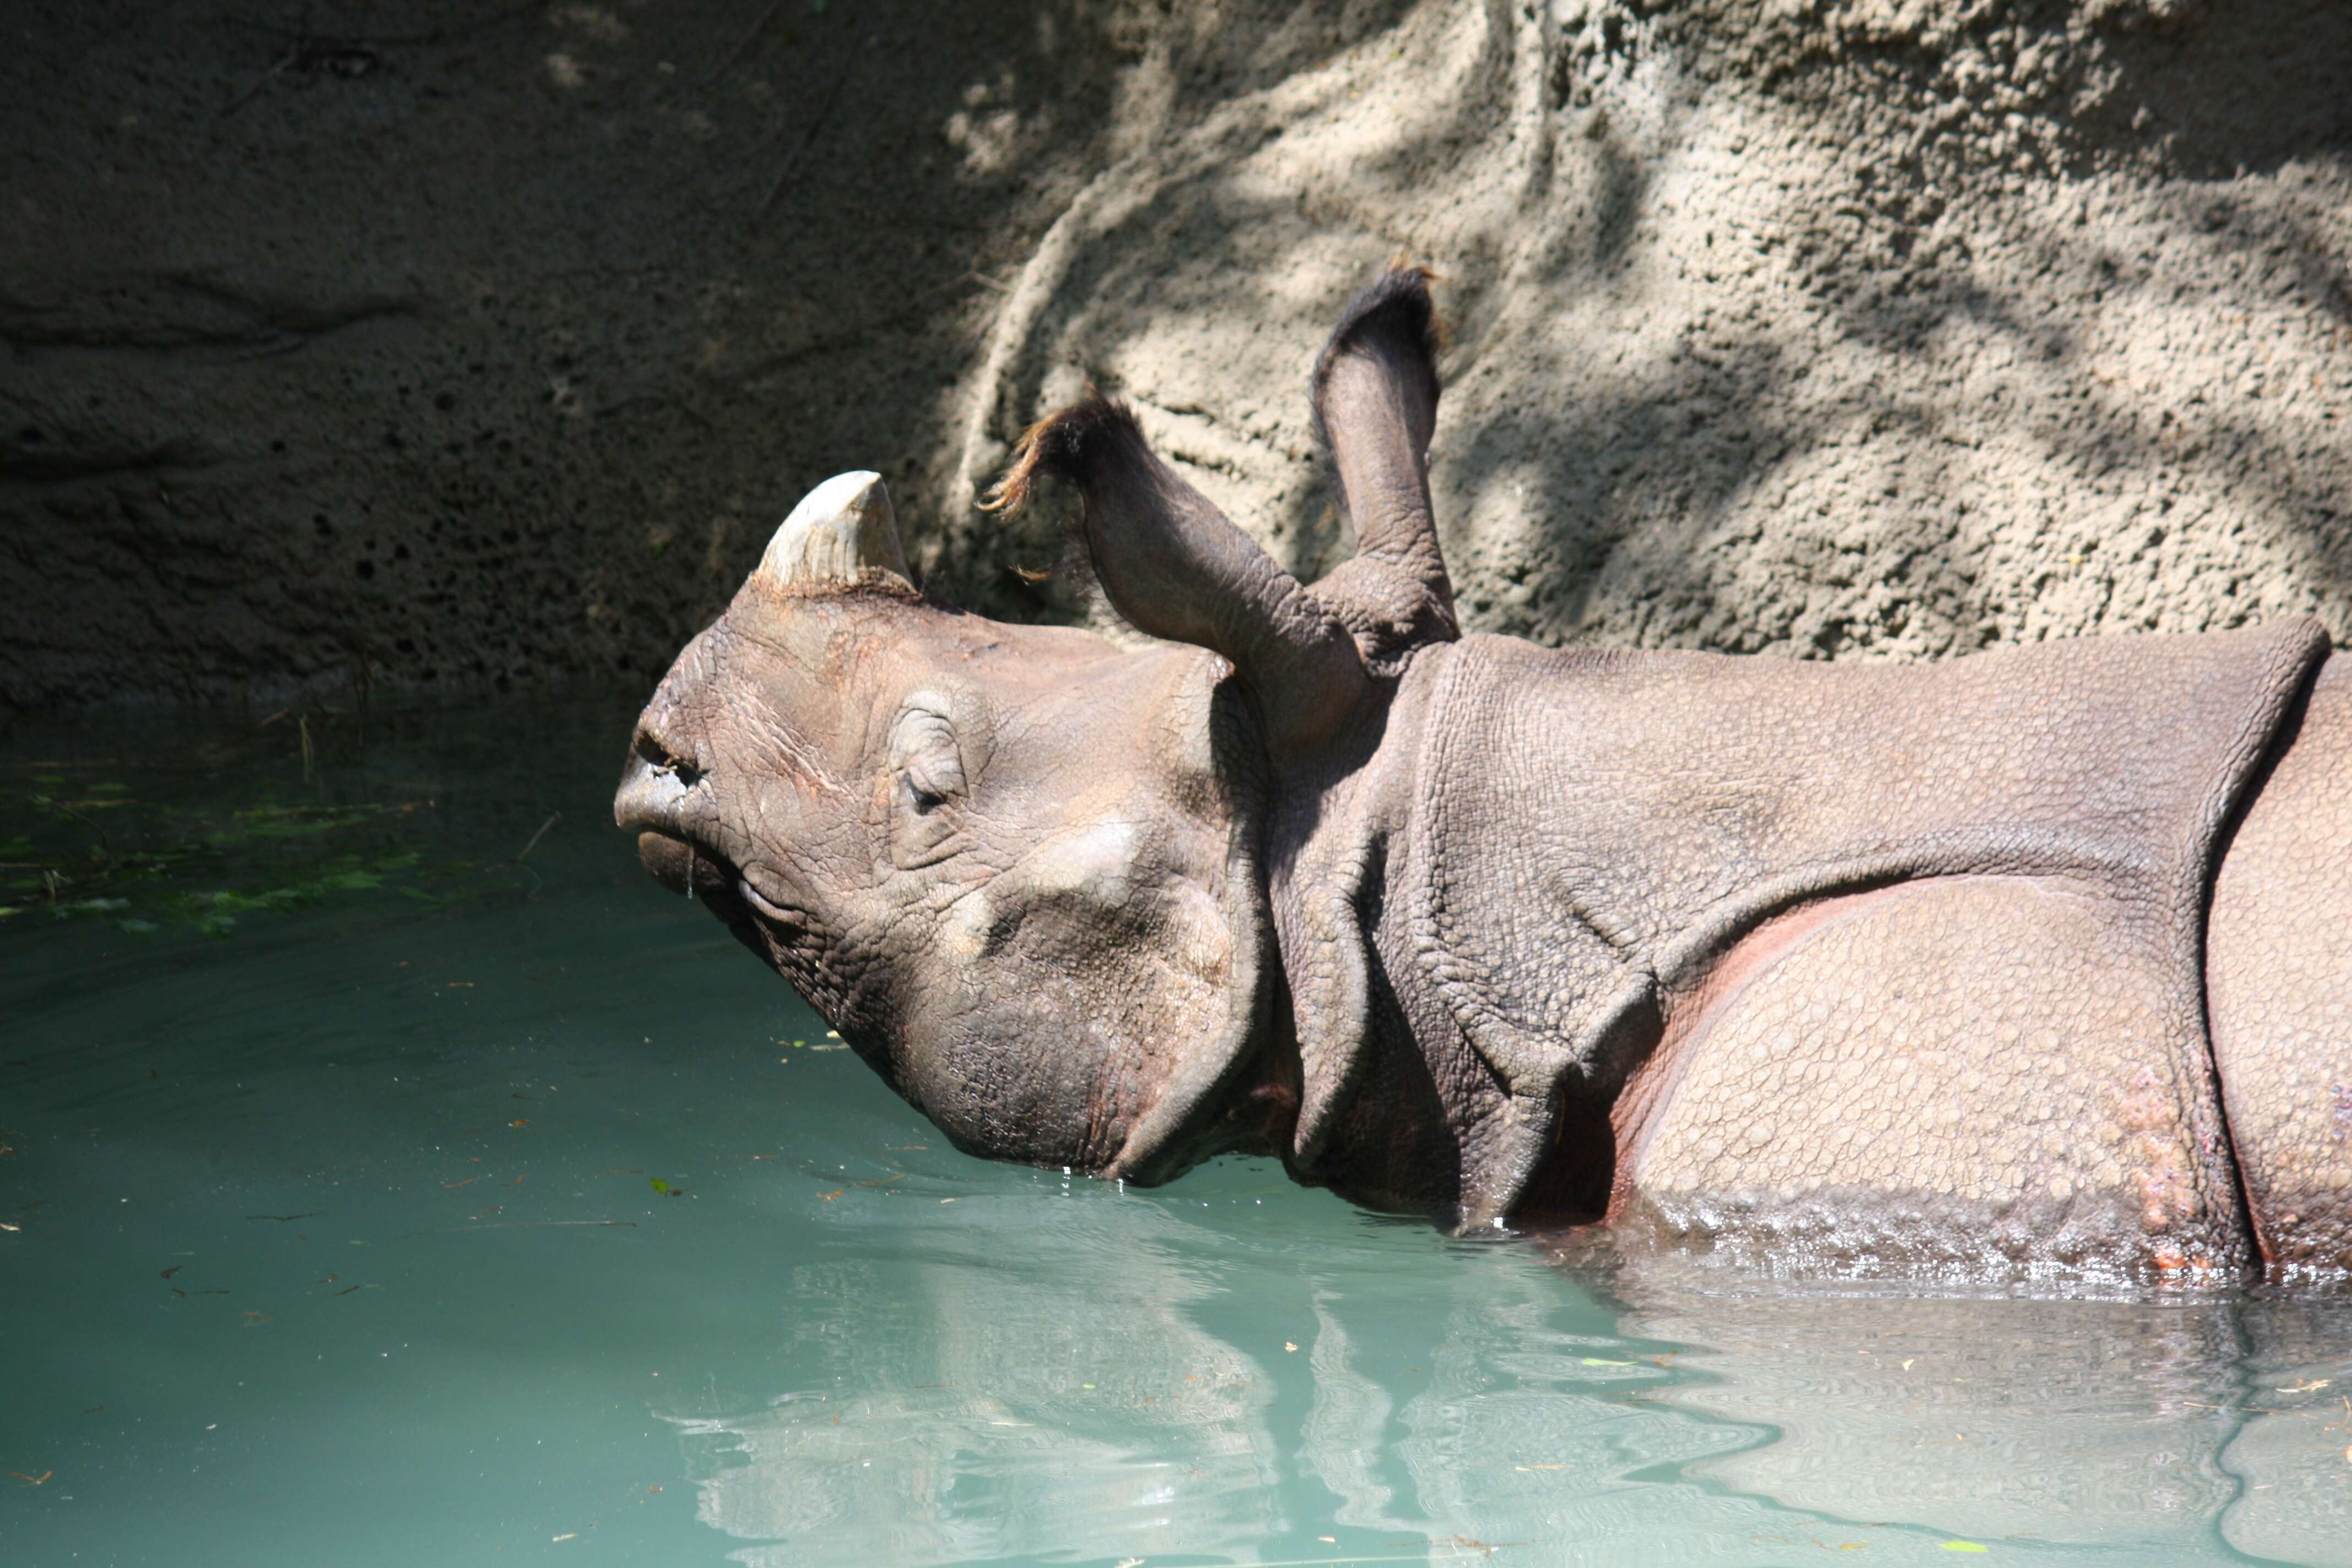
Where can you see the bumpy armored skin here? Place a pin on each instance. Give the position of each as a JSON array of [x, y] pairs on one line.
[[2279, 987], [1881, 949], [2032, 960]]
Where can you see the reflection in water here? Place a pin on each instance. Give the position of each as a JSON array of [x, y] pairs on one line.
[[2151, 1422], [2296, 1457], [1144, 1381], [1129, 1386], [976, 1410]]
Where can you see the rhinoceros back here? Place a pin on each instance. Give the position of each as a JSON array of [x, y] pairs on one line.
[[1987, 1040]]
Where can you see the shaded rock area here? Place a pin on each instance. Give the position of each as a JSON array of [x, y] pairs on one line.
[[449, 346]]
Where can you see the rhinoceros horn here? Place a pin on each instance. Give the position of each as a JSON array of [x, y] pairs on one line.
[[841, 532]]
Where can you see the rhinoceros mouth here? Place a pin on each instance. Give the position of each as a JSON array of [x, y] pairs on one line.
[[691, 871]]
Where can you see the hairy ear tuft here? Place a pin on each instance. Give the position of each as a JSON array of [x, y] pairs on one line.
[[1064, 443]]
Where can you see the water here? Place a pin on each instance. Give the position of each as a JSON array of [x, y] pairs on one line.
[[333, 1133]]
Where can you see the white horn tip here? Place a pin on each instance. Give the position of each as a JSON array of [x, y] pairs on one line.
[[840, 531]]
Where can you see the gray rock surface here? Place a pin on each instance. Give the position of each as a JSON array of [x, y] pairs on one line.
[[431, 346]]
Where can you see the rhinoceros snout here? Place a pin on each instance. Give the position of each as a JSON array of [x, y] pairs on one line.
[[653, 788]]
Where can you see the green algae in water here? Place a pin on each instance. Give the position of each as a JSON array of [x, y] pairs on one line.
[[507, 1222], [218, 829]]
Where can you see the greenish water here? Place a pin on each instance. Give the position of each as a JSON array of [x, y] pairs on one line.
[[335, 1140]]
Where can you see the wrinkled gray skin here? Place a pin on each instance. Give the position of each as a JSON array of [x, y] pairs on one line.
[[2029, 960]]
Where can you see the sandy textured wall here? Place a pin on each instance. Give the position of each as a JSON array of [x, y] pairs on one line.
[[1879, 327]]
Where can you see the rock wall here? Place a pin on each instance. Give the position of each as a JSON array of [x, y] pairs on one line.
[[435, 352], [444, 343]]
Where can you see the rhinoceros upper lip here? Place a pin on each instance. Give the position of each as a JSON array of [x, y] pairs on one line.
[[685, 866]]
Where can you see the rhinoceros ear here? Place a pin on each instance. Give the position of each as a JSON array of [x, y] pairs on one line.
[[1177, 568], [1375, 396], [841, 532]]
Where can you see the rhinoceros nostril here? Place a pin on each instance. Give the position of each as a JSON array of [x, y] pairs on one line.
[[662, 757]]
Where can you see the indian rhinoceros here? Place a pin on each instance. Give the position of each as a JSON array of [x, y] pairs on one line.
[[2036, 958]]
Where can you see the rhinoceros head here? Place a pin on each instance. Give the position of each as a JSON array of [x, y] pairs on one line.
[[1017, 867], [1013, 866]]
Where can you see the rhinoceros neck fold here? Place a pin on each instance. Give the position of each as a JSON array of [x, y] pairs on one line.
[[1547, 850], [1201, 1108]]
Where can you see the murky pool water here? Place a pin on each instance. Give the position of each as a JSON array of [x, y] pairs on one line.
[[373, 1192]]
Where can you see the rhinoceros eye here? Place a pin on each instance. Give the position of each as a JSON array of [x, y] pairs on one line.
[[924, 755]]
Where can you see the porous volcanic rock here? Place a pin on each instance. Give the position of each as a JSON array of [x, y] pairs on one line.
[[486, 344]]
